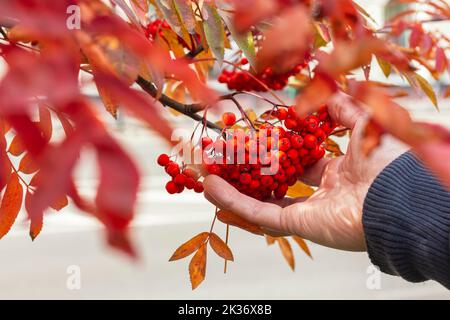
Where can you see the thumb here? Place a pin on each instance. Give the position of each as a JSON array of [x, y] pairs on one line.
[[344, 111]]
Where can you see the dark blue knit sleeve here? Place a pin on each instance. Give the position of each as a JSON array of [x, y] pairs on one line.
[[406, 218]]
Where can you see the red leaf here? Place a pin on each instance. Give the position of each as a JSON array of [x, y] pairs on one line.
[[56, 170], [318, 92], [45, 122], [441, 60], [16, 148], [416, 36], [5, 165], [280, 51], [137, 103], [60, 203], [11, 204], [27, 165], [119, 182]]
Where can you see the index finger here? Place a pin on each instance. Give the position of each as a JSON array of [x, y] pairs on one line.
[[223, 195]]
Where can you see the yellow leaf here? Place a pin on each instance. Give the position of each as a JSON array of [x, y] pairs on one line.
[[385, 67], [300, 190], [427, 89]]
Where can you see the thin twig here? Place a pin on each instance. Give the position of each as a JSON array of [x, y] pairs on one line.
[[226, 242]]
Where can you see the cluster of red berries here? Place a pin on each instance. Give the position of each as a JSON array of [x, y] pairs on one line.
[[181, 179], [319, 124], [238, 159], [242, 81], [297, 149], [156, 29]]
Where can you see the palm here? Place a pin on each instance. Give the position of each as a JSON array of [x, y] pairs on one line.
[[332, 216]]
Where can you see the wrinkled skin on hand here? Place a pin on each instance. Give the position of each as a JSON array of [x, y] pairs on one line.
[[333, 215]]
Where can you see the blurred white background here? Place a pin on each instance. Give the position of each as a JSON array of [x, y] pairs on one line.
[[38, 270]]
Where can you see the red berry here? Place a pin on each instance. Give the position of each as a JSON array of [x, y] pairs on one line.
[[190, 174], [290, 124], [292, 154], [290, 171], [214, 169], [245, 178], [206, 141], [254, 184], [171, 187], [223, 78], [318, 152], [297, 141], [320, 135], [163, 160], [310, 141], [281, 191], [180, 179], [229, 119], [180, 188], [172, 169], [299, 169], [190, 183], [266, 181], [198, 188], [244, 61], [284, 144], [282, 113]]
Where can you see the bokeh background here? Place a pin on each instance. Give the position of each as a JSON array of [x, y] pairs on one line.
[[38, 270]]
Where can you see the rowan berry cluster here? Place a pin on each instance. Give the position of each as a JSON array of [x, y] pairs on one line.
[[242, 81], [320, 124], [181, 178], [156, 29], [261, 163]]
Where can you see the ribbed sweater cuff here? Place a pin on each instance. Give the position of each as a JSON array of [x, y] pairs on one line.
[[406, 218]]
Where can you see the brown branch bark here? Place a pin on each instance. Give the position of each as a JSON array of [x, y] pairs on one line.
[[189, 110]]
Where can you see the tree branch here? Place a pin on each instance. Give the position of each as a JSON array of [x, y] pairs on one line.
[[189, 110]]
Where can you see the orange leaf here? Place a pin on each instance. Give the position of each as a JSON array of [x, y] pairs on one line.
[[270, 240], [11, 204], [303, 245], [286, 250], [230, 218], [333, 147], [5, 165], [16, 148], [189, 247], [27, 165], [220, 247], [197, 267], [60, 203]]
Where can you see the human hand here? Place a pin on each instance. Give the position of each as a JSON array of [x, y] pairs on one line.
[[332, 216]]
